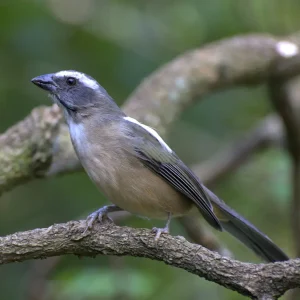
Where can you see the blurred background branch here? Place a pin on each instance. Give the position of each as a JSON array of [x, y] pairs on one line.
[[267, 133], [286, 100], [157, 102]]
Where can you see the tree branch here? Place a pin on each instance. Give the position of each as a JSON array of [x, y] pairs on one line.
[[202, 235], [256, 281]]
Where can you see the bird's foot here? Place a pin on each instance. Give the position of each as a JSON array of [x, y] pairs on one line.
[[159, 231], [98, 216], [164, 230]]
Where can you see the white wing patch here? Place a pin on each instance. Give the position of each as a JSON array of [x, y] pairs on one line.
[[151, 131], [91, 83]]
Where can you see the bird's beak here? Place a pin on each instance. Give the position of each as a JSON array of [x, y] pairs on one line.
[[45, 82]]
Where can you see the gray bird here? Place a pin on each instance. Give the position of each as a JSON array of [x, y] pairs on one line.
[[135, 169]]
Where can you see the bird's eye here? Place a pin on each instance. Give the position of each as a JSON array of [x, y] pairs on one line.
[[71, 81]]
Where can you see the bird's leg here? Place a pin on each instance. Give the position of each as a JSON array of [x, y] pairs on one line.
[[100, 214], [166, 229]]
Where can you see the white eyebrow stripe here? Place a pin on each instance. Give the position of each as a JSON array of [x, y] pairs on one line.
[[80, 76], [151, 131], [67, 73]]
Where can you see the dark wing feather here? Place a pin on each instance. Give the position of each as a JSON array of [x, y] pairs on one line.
[[167, 165]]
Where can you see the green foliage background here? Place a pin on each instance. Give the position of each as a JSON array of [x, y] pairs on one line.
[[119, 43]]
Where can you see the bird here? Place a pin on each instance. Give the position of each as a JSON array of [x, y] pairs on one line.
[[134, 167]]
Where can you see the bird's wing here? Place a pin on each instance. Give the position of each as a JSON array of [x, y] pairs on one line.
[[156, 155]]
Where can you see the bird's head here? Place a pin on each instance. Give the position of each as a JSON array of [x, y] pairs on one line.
[[73, 91]]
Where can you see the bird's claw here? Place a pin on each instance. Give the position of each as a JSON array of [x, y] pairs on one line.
[[99, 215], [159, 231]]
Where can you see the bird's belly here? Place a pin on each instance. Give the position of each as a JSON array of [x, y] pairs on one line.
[[150, 198], [139, 191], [130, 185], [157, 209]]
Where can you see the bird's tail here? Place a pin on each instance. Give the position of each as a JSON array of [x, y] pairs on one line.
[[245, 232]]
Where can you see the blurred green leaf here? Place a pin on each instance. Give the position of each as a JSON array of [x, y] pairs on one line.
[[104, 283]]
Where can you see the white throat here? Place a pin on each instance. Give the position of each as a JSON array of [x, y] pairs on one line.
[[77, 133]]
